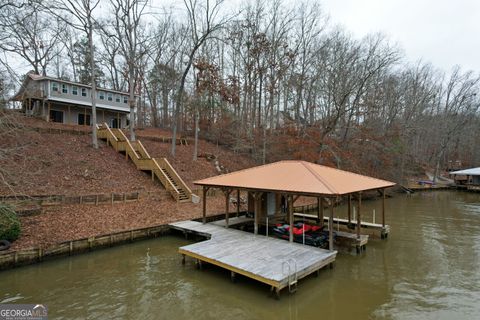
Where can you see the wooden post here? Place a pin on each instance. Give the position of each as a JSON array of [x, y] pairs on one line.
[[118, 121], [330, 227], [320, 211], [227, 205], [69, 115], [359, 220], [204, 205], [103, 115], [238, 203], [48, 112], [383, 208], [256, 211], [349, 208], [85, 116], [290, 217]]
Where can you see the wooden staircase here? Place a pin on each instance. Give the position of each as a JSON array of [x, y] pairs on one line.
[[159, 167]]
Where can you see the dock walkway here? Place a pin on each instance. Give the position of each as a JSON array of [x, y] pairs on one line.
[[275, 262]]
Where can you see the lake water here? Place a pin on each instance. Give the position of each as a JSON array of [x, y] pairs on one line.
[[429, 268]]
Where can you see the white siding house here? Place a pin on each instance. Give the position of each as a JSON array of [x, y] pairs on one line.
[[69, 102]]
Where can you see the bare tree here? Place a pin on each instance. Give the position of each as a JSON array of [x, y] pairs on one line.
[[30, 34], [127, 27], [203, 21], [457, 105], [82, 13]]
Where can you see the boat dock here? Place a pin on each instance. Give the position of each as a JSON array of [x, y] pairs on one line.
[[275, 262], [367, 228]]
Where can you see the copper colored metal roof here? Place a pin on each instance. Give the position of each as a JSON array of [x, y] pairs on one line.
[[297, 177]]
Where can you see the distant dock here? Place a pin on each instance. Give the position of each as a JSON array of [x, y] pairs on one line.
[[275, 262]]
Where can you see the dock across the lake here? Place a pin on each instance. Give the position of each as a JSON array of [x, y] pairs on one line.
[[275, 262]]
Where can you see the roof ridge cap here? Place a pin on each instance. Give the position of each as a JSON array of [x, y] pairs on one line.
[[319, 178]]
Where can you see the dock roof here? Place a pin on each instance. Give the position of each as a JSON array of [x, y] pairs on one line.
[[300, 177], [467, 172]]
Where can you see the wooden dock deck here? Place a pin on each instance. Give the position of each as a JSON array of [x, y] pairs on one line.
[[368, 228], [275, 262]]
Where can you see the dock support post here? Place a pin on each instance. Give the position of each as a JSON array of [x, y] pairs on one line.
[[227, 205], [359, 220], [290, 217], [320, 211], [349, 209], [257, 196], [277, 292], [330, 227], [238, 203], [233, 276], [204, 205], [183, 259], [383, 208]]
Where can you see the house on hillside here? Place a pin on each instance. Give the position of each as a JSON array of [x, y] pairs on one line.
[[70, 102]]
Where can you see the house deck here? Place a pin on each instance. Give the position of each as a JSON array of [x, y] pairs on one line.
[[275, 262]]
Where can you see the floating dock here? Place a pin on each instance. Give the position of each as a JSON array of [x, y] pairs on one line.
[[275, 262]]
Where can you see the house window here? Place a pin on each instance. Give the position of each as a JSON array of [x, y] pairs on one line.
[[101, 95], [125, 99], [54, 86], [84, 92], [109, 96], [117, 98], [74, 90], [64, 88], [84, 119]]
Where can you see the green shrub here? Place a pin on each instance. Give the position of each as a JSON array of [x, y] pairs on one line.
[[9, 223]]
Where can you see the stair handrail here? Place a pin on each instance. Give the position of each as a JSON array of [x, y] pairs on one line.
[[143, 149], [137, 156], [180, 180], [130, 147], [159, 168], [110, 131]]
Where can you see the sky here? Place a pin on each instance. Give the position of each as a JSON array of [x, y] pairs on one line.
[[445, 33]]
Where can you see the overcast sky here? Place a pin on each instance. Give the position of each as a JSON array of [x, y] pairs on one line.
[[442, 32]]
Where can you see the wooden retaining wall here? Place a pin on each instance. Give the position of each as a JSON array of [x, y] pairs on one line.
[[75, 131], [165, 139], [93, 199], [17, 258]]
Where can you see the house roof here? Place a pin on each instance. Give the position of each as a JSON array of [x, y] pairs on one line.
[[299, 177], [469, 172], [37, 77]]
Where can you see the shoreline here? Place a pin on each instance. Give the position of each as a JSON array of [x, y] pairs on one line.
[[35, 254]]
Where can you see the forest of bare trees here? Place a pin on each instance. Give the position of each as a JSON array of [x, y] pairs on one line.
[[268, 79]]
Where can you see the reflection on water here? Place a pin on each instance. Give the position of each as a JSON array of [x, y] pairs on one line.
[[429, 268]]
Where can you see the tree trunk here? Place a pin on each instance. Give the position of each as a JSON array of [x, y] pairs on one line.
[[94, 85]]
